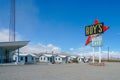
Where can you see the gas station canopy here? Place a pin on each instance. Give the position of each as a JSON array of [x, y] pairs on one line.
[[13, 45]]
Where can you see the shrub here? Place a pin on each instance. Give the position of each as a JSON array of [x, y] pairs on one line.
[[75, 60]]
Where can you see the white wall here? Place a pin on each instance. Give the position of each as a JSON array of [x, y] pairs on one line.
[[44, 59], [80, 59], [58, 59], [14, 57], [69, 59]]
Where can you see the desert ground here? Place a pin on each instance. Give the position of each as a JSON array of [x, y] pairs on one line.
[[74, 71]]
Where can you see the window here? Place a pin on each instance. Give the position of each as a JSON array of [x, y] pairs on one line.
[[63, 59], [48, 58], [21, 58], [59, 58], [56, 58], [41, 58], [44, 58]]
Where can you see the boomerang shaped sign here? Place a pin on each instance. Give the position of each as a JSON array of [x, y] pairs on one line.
[[95, 30]]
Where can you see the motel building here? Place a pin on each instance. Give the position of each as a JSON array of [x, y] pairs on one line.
[[70, 58], [49, 58], [46, 58], [83, 59], [80, 59], [60, 59], [25, 58], [7, 50]]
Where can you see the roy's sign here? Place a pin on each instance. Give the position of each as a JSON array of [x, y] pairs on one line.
[[94, 29]]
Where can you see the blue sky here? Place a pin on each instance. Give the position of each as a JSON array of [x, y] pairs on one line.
[[62, 22]]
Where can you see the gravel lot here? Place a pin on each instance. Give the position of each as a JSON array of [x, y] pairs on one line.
[[81, 71]]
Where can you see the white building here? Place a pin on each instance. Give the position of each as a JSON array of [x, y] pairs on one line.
[[80, 59], [70, 58], [87, 59], [24, 58], [60, 59], [46, 58], [83, 59]]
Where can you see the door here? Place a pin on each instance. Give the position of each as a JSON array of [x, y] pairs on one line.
[[26, 59], [6, 56], [50, 59]]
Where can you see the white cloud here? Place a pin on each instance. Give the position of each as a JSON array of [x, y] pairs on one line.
[[4, 34], [104, 54], [71, 49], [81, 50], [87, 51], [38, 48], [112, 54]]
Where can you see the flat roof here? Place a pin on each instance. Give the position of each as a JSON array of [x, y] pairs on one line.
[[13, 45], [62, 56], [26, 54]]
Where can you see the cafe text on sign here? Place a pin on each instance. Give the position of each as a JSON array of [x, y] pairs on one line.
[[97, 41]]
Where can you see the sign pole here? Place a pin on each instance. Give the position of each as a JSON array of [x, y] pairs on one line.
[[93, 55], [99, 54]]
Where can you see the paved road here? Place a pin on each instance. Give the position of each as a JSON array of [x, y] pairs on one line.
[[81, 71]]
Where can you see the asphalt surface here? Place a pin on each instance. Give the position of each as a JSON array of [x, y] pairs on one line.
[[80, 71]]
